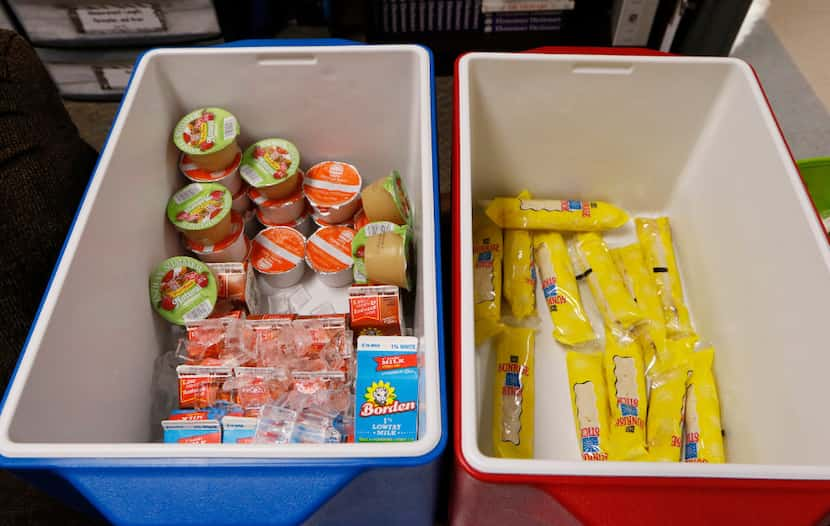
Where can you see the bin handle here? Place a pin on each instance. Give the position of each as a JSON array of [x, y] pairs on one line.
[[582, 50], [285, 42]]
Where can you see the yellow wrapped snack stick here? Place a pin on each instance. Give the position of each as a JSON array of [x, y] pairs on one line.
[[666, 403], [589, 401], [640, 283], [656, 240], [519, 275], [513, 397], [487, 262], [566, 215], [570, 324], [615, 303], [703, 438], [626, 383]]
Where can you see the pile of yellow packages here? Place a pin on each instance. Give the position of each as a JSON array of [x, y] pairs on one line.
[[647, 392]]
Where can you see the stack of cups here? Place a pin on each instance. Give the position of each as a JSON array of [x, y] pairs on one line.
[[272, 169], [333, 191], [211, 158]]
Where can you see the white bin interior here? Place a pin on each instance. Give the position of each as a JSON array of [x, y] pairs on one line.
[[691, 138], [84, 385]]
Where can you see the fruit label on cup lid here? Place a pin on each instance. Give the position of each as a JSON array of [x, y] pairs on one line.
[[330, 249], [277, 249], [182, 289], [331, 184], [199, 206], [269, 162], [205, 130]]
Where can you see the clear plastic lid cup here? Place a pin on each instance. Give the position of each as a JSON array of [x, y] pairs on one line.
[[329, 255], [271, 166], [241, 202], [227, 177], [182, 289], [333, 190], [202, 212], [386, 200], [229, 250], [208, 136], [302, 224], [280, 211], [277, 254]]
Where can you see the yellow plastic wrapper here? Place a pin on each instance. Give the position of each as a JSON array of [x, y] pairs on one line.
[[513, 397], [618, 308], [589, 401], [656, 240], [666, 403], [487, 262], [565, 215], [640, 283], [519, 275], [626, 383], [703, 438], [570, 324]]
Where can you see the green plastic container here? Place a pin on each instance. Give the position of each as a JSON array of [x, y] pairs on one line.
[[816, 175]]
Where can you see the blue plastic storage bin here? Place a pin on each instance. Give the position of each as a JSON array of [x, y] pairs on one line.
[[77, 417]]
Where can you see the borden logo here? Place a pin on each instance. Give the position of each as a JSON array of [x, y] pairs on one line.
[[381, 399]]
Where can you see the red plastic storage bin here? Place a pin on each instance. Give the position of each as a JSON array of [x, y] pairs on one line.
[[693, 138]]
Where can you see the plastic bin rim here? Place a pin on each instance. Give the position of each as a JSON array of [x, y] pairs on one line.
[[94, 460], [752, 475]]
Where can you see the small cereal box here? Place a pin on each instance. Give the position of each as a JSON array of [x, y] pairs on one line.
[[386, 389], [192, 431], [238, 430]]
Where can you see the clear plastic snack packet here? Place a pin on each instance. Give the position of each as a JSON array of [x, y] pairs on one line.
[[562, 215], [667, 401], [589, 401], [513, 393], [593, 261], [703, 434], [488, 245], [571, 325], [626, 383], [276, 425], [640, 283], [254, 387], [656, 240], [519, 285]]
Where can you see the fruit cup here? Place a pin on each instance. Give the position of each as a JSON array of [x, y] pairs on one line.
[[231, 249], [202, 212], [182, 289], [280, 211], [208, 137], [271, 166]]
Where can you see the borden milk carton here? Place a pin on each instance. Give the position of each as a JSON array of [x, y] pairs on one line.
[[386, 390]]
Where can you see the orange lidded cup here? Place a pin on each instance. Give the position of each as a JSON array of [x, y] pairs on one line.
[[333, 190], [277, 254], [329, 254]]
